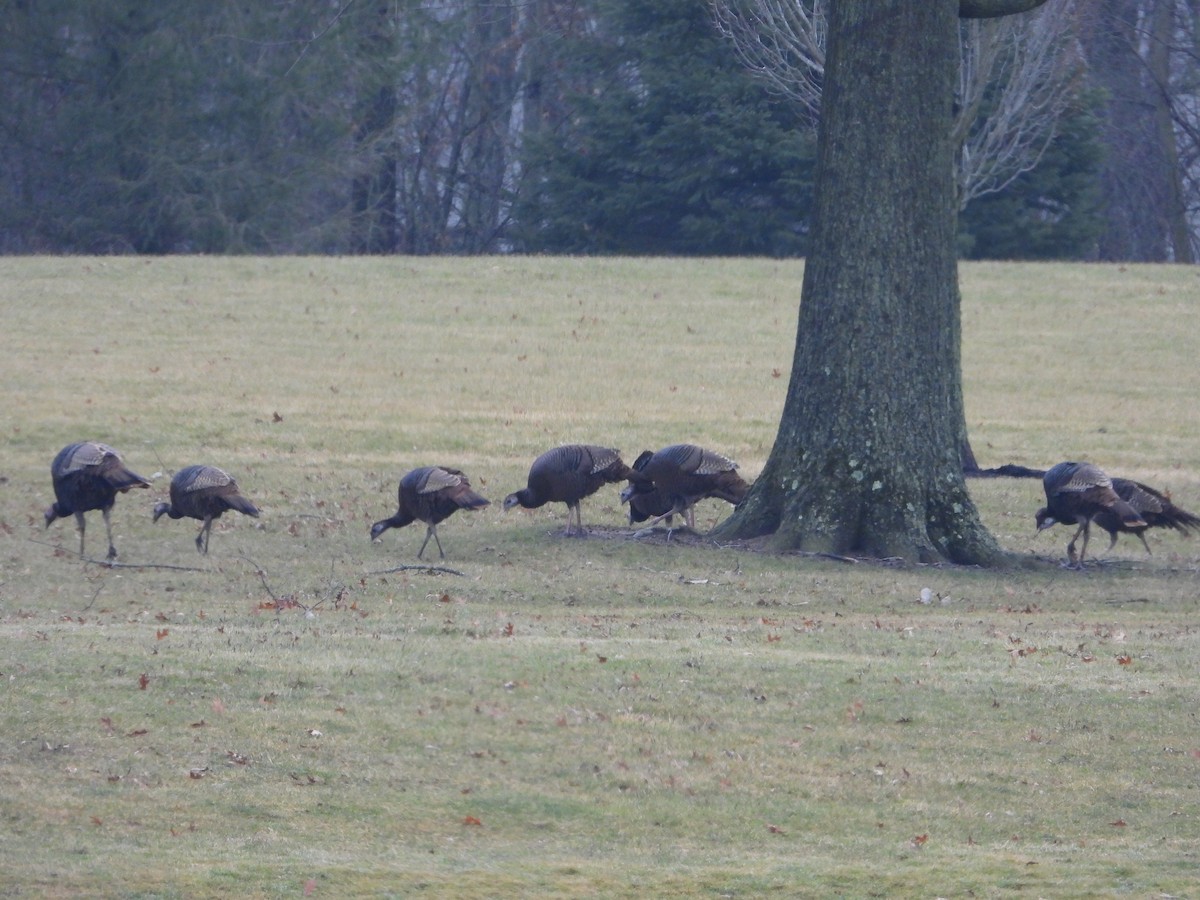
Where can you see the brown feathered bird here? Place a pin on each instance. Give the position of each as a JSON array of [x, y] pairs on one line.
[[89, 475], [431, 494], [1154, 507], [567, 474], [1076, 493], [204, 493], [682, 475], [644, 499]]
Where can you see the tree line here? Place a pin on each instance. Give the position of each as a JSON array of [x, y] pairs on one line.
[[557, 126]]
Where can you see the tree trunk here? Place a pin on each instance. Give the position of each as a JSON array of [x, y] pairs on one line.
[[868, 456], [1158, 63], [373, 226], [1134, 228]]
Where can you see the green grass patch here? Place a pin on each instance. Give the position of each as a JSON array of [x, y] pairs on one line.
[[600, 717]]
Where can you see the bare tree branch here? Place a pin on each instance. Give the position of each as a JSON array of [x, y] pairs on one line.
[[1035, 60], [1016, 75], [991, 9]]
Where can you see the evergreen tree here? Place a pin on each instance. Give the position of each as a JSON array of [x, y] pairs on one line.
[[668, 146], [1051, 212]]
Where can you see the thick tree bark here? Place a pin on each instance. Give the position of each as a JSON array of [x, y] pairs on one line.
[[868, 457], [993, 9]]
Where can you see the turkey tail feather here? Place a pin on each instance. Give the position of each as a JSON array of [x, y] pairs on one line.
[[472, 500], [241, 504]]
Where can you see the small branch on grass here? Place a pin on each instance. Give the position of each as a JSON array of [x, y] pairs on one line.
[[281, 603], [99, 588], [113, 564], [418, 568], [162, 467], [263, 575]]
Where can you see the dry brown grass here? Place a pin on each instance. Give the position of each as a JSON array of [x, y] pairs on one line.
[[602, 716]]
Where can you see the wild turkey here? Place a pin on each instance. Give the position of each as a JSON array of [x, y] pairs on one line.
[[88, 476], [684, 474], [1076, 493], [431, 494], [567, 474], [1155, 508], [644, 499], [204, 492]]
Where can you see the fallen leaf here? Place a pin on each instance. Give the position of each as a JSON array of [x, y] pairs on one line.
[[162, 633], [919, 840], [471, 820], [1124, 660]]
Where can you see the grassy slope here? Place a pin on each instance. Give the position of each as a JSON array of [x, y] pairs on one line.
[[623, 719]]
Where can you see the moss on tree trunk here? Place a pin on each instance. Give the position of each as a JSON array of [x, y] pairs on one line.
[[868, 456]]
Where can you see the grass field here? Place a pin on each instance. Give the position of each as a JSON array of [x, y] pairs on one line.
[[293, 715]]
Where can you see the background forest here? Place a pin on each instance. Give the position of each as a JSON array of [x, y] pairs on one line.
[[543, 126]]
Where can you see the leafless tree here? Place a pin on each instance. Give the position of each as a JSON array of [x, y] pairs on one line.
[[1016, 77]]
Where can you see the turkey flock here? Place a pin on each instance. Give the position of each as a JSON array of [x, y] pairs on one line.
[[659, 486]]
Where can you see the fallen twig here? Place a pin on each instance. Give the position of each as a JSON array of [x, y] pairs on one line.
[[113, 564], [421, 568], [262, 575], [94, 596]]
